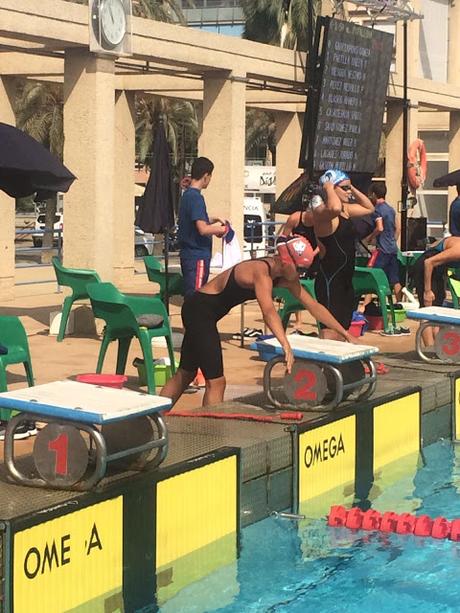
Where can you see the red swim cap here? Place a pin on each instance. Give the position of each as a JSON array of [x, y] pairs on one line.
[[297, 251]]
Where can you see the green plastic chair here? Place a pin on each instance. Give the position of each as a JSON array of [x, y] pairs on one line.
[[13, 336], [77, 279], [454, 287], [156, 274], [291, 304], [375, 281], [119, 312]]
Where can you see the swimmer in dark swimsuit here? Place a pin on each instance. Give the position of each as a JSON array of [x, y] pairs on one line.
[[249, 280], [300, 223], [336, 238], [429, 274]]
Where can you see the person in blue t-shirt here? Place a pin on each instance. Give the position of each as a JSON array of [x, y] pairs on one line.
[[196, 229], [454, 215], [386, 232]]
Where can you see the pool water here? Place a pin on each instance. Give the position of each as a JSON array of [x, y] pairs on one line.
[[290, 566]]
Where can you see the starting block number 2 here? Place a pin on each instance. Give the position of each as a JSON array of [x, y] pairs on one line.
[[305, 384], [447, 344]]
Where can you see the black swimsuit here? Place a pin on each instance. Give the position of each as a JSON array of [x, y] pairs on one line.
[[309, 233], [334, 281], [201, 346]]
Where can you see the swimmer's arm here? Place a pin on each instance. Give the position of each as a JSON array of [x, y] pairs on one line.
[[209, 229], [292, 221], [263, 287], [329, 209], [363, 205], [319, 312], [448, 255]]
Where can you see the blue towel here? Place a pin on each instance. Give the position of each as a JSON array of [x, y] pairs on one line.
[[230, 233]]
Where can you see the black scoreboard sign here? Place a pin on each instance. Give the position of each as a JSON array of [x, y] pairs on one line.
[[346, 97]]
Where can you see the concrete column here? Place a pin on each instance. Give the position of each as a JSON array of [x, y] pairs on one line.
[[453, 48], [223, 141], [413, 43], [413, 120], [89, 152], [288, 140], [454, 149], [7, 207], [393, 152], [123, 212]]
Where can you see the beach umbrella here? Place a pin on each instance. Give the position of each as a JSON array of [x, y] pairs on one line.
[[290, 199], [26, 166], [156, 213], [453, 178]]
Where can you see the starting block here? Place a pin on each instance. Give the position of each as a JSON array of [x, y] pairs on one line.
[[324, 373], [447, 338], [87, 427]]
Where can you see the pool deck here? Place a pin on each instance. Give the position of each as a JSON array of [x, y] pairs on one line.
[[266, 448]]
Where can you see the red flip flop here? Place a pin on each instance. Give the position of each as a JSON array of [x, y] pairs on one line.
[[380, 369]]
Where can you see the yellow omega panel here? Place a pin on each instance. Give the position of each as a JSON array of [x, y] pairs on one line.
[[71, 563], [196, 508], [327, 457], [396, 429]]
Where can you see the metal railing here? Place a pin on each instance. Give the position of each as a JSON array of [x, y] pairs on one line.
[[30, 255]]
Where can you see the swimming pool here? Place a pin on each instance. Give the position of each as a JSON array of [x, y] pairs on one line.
[[288, 566]]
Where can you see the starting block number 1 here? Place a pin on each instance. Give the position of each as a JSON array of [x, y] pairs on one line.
[[60, 454], [447, 344], [60, 446], [306, 384]]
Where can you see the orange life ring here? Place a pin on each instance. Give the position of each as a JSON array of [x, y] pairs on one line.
[[417, 164]]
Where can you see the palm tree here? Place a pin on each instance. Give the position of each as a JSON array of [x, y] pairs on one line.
[[278, 22], [260, 132], [39, 110], [181, 127]]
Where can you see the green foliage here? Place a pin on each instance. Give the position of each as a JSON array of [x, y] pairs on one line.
[[260, 132], [268, 21], [38, 107]]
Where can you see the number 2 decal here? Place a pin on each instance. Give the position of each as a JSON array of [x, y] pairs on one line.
[[304, 392], [60, 446]]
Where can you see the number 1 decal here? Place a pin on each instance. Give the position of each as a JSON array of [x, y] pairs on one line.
[[60, 446]]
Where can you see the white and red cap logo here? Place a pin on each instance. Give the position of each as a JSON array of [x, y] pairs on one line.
[[297, 251]]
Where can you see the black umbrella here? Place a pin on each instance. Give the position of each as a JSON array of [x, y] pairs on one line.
[[156, 213], [26, 166], [453, 178]]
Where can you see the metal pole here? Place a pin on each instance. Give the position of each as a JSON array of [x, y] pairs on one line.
[[166, 244], [404, 183]]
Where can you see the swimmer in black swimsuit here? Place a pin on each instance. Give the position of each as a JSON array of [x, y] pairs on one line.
[[300, 223], [253, 279], [336, 238]]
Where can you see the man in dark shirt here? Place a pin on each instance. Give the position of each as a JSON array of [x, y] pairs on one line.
[[386, 232], [196, 229], [454, 215]]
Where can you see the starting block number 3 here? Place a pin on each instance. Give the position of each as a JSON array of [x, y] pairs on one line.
[[447, 344], [306, 384]]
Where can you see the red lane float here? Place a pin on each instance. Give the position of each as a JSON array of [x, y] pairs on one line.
[[289, 415], [404, 523]]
